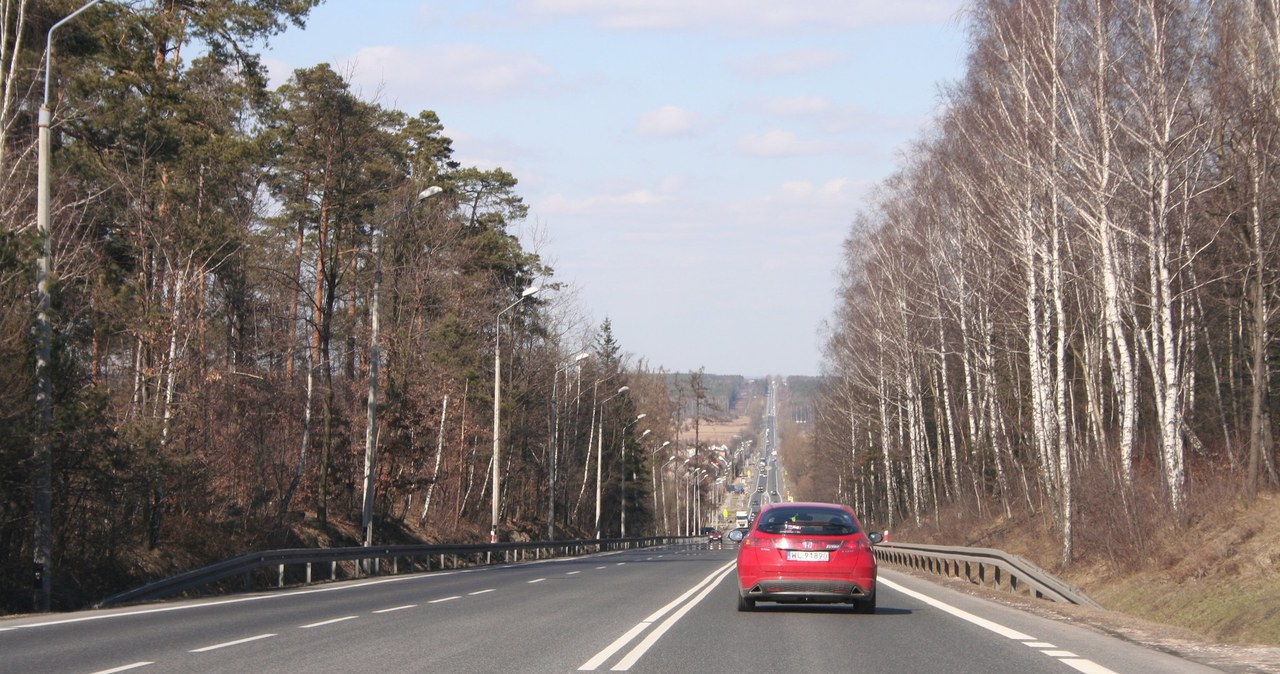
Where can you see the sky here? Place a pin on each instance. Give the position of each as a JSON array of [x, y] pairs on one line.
[[692, 167]]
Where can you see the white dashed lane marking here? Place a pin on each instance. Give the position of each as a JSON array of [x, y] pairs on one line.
[[331, 621], [395, 608], [124, 668], [225, 644]]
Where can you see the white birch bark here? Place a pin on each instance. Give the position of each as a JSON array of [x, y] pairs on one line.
[[435, 471]]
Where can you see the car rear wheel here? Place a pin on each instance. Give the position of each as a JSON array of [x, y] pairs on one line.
[[745, 604], [865, 605]]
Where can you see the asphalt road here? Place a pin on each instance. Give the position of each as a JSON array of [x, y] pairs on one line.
[[659, 610]]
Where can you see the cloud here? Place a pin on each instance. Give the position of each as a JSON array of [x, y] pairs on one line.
[[777, 143], [463, 72], [559, 204], [668, 120], [794, 62], [803, 190], [750, 16], [797, 106]]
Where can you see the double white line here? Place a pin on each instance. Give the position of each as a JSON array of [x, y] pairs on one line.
[[698, 592]]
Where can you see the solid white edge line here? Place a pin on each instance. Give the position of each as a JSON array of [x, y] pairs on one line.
[[322, 623], [125, 668], [345, 585], [960, 613], [652, 638], [1081, 664], [688, 593], [626, 638], [225, 644], [612, 648]]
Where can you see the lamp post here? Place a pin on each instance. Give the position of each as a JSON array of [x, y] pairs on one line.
[[43, 453], [679, 491], [622, 476], [497, 411], [685, 490], [555, 443], [375, 354], [697, 498], [600, 453], [653, 482]]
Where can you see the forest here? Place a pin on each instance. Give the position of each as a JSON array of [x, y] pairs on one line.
[[1064, 302], [268, 318]]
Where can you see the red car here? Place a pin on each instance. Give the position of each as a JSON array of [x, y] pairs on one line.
[[806, 553]]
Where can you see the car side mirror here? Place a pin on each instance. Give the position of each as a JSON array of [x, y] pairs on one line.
[[876, 537], [736, 535]]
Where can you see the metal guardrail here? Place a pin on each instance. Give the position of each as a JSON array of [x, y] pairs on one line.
[[983, 566], [282, 568]]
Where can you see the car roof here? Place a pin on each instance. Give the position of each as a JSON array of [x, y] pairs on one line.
[[812, 504]]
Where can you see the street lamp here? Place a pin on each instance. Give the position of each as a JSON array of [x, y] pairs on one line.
[[697, 498], [600, 453], [679, 488], [371, 426], [555, 443], [654, 477], [622, 475], [497, 406], [43, 454]]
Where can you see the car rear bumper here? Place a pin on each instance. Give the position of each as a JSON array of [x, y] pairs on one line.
[[809, 590]]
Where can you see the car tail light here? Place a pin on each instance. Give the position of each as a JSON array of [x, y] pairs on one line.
[[757, 542], [854, 544]]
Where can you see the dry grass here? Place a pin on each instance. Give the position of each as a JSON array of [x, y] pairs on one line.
[[720, 433], [1217, 575]]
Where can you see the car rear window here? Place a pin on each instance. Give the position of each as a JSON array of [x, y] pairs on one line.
[[810, 521]]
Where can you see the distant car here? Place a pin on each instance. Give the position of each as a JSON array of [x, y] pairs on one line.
[[713, 534], [806, 553]]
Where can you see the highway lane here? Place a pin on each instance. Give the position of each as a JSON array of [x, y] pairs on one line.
[[665, 610], [528, 617], [907, 634]]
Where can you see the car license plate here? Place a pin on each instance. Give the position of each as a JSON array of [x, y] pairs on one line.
[[806, 556]]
